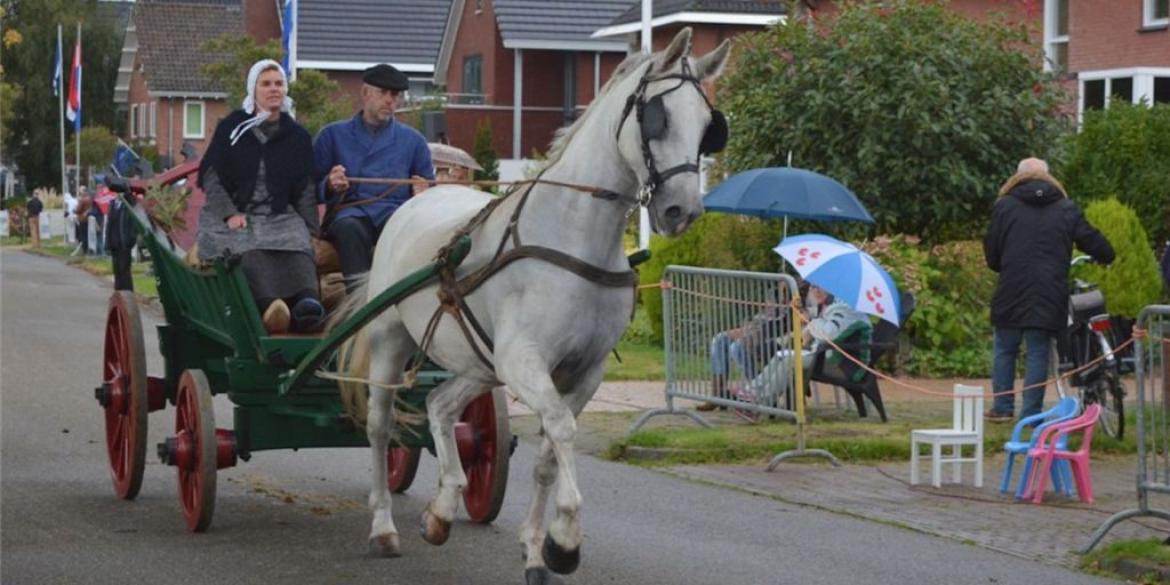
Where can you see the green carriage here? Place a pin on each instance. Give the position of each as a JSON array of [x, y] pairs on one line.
[[213, 342]]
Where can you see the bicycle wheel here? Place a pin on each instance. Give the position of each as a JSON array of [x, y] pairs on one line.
[[1110, 394]]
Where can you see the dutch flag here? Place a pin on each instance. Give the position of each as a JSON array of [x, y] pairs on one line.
[[73, 107]]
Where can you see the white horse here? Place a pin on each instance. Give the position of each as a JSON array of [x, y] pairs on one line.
[[546, 329]]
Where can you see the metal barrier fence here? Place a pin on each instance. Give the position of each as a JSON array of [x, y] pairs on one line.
[[727, 341], [1152, 368]]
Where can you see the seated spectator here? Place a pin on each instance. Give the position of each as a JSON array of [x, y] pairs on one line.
[[261, 202], [451, 163], [830, 319], [748, 346]]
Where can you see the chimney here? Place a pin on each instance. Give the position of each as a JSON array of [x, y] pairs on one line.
[[261, 20]]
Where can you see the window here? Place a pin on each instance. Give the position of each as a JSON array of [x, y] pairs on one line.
[[1156, 13], [1137, 85], [1162, 90], [193, 120], [152, 119], [479, 6], [473, 78], [1056, 35], [133, 120], [1093, 93]]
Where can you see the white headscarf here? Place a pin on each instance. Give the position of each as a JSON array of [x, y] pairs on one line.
[[250, 100]]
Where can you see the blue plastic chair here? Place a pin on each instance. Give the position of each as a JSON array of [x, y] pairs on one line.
[[1064, 410]]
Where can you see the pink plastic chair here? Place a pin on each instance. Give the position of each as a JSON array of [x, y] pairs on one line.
[[1046, 452]]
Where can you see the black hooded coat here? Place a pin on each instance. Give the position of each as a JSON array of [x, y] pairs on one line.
[[1034, 227]]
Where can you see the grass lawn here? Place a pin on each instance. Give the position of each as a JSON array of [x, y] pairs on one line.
[[840, 432], [144, 284], [1147, 552], [640, 361]]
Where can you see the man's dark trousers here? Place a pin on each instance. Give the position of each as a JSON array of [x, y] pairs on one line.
[[354, 237]]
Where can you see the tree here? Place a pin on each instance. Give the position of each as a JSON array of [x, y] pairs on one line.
[[314, 95], [920, 111], [1123, 151], [97, 147], [30, 41], [484, 153]]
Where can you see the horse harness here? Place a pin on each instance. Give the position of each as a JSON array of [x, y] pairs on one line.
[[653, 123]]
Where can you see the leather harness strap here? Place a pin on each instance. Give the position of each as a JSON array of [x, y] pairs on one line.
[[453, 291]]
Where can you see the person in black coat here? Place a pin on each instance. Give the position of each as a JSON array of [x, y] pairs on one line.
[[1034, 226]]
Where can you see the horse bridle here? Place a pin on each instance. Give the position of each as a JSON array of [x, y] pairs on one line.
[[653, 122]]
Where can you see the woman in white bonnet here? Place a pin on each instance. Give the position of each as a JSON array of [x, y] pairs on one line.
[[261, 202]]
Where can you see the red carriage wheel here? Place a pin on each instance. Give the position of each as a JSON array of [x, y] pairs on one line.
[[490, 443], [123, 394], [401, 465], [195, 452]]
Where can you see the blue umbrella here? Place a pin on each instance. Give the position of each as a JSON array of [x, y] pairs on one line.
[[786, 192]]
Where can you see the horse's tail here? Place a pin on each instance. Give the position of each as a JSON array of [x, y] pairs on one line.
[[353, 367], [353, 357]]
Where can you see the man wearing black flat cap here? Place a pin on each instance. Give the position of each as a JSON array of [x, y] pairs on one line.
[[371, 144]]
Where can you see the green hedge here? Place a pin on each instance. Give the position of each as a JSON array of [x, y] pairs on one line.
[[1133, 280], [1123, 152], [715, 241]]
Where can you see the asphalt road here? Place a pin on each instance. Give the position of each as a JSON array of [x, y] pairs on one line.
[[301, 518]]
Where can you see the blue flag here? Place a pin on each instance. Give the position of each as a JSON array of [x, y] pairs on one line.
[[124, 159], [288, 37]]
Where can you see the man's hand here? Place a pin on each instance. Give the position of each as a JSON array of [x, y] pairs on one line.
[[338, 182], [238, 221], [421, 184]]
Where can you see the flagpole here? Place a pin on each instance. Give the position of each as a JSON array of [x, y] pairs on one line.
[[61, 112], [77, 126]]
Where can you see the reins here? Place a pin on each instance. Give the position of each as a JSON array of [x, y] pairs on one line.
[[340, 204]]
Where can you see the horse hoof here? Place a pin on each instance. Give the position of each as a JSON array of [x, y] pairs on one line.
[[540, 576], [385, 545], [433, 529], [558, 559]]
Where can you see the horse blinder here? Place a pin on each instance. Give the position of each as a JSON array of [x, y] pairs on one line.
[[715, 137]]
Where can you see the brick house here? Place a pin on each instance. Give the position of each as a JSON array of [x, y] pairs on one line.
[[168, 102], [712, 22], [556, 55], [527, 68], [342, 38], [1111, 49]]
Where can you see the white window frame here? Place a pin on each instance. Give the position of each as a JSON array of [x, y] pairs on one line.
[[1148, 20], [152, 120], [1051, 39], [1143, 84], [133, 121], [202, 119]]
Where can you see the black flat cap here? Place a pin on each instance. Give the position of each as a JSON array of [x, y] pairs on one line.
[[386, 77]]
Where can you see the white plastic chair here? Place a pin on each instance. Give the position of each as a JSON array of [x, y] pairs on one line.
[[966, 430]]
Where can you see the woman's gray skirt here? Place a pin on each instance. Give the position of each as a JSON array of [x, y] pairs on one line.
[[278, 274]]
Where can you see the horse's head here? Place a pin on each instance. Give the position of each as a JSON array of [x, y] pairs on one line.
[[667, 124]]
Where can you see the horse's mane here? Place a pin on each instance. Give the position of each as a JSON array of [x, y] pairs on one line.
[[565, 134]]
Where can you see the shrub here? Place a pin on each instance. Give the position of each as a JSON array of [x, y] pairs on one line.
[[950, 328], [919, 110], [1133, 280], [1122, 151], [716, 241], [485, 153]]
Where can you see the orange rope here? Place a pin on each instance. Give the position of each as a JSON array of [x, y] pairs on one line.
[[908, 386]]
